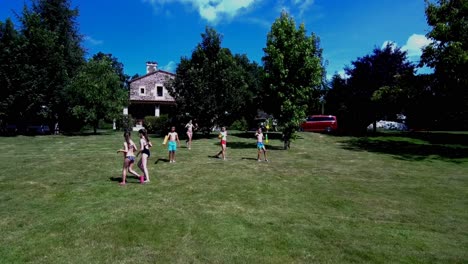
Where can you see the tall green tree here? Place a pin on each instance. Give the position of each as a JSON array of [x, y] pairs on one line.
[[448, 56], [293, 72], [254, 76], [11, 70], [95, 93], [211, 86], [374, 90], [53, 55], [116, 65]]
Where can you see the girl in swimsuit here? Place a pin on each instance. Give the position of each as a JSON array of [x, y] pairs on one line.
[[145, 144], [129, 158]]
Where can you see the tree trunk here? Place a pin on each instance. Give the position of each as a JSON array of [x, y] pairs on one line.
[[95, 126], [287, 133]]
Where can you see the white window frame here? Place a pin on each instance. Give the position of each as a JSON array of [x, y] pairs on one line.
[[144, 90], [156, 88]]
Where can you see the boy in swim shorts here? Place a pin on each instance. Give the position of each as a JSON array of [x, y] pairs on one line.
[[172, 145], [260, 145]]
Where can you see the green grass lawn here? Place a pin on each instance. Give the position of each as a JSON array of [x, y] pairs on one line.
[[389, 199]]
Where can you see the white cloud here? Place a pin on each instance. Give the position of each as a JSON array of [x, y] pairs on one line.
[[415, 44], [93, 41], [211, 10], [303, 5], [298, 7], [343, 74], [170, 67]]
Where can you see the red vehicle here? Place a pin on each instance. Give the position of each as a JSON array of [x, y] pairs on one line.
[[320, 123]]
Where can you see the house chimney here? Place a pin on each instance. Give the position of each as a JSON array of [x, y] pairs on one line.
[[151, 66]]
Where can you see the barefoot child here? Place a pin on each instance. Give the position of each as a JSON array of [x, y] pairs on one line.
[[145, 144], [260, 145], [190, 127], [129, 158], [223, 137], [172, 145]]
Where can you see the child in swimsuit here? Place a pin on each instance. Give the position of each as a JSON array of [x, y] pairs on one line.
[[145, 144], [223, 137], [129, 157], [260, 145], [172, 145]]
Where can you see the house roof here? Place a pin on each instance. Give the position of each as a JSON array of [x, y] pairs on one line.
[[151, 73]]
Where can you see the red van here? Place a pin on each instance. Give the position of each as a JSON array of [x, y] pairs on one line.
[[320, 123]]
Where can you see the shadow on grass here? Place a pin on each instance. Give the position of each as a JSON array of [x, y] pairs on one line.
[[251, 134], [162, 160], [244, 158], [247, 145], [119, 179], [408, 149], [86, 134]]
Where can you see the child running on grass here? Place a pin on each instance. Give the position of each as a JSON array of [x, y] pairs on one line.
[[190, 127], [260, 145], [129, 158], [145, 144], [172, 146], [223, 136]]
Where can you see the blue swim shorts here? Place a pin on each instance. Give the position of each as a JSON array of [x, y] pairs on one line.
[[260, 145], [172, 146]]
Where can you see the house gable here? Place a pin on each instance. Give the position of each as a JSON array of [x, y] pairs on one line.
[[151, 88]]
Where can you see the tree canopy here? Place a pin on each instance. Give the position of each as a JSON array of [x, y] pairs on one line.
[[95, 93], [374, 90], [212, 85], [293, 71], [448, 56]]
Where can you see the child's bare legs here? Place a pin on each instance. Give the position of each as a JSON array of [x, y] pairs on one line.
[[124, 171], [142, 164], [258, 154], [223, 151], [130, 169], [189, 141], [265, 153], [171, 156]]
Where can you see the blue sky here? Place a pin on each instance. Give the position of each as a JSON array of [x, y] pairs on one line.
[[136, 31]]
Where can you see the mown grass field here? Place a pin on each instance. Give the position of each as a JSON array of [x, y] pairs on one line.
[[387, 199]]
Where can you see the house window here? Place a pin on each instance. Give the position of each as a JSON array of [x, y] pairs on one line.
[[159, 91], [142, 91]]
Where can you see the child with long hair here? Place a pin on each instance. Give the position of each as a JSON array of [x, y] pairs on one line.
[[145, 144], [129, 157], [190, 127]]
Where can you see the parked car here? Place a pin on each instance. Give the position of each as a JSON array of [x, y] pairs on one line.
[[320, 123]]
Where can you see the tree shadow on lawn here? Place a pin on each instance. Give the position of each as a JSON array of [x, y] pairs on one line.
[[407, 150], [87, 134], [247, 145], [251, 134]]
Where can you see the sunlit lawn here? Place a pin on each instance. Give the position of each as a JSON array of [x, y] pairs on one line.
[[389, 199]]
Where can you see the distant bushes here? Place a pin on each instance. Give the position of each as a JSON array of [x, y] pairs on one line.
[[240, 124], [125, 122], [156, 124]]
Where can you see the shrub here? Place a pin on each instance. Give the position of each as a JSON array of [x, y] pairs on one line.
[[155, 124], [240, 124], [125, 122]]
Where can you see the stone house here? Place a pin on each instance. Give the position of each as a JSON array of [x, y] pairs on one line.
[[148, 94]]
